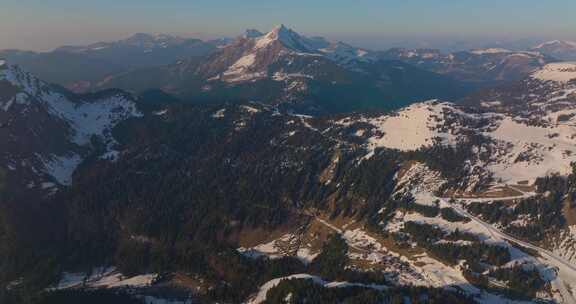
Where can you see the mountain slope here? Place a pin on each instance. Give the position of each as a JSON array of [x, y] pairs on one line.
[[48, 131]]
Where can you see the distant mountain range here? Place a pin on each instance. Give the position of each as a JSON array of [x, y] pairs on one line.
[[483, 67], [561, 49], [87, 65], [283, 67]]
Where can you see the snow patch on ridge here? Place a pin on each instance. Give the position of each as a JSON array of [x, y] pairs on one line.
[[82, 118], [556, 42], [409, 129], [103, 278], [260, 297], [241, 66], [62, 167], [533, 151], [561, 72], [490, 51]]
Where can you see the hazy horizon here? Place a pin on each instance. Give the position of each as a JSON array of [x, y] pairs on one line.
[[367, 23], [372, 41]]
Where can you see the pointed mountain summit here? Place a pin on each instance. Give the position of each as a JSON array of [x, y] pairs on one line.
[[287, 38], [251, 56]]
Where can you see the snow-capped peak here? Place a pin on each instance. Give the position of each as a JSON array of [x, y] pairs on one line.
[[256, 52], [281, 28], [287, 37], [562, 72]]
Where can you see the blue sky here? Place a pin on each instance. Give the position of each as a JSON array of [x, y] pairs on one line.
[[42, 24]]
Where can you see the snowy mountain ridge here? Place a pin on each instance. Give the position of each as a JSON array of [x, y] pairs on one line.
[[35, 111], [261, 50], [139, 40], [477, 66], [561, 49], [556, 42]]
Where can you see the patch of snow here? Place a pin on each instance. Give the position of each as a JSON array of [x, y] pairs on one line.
[[241, 66], [155, 300], [410, 129], [260, 297], [7, 105], [74, 280], [490, 51], [241, 77], [556, 42], [306, 256], [47, 185], [279, 76], [93, 118], [421, 182], [489, 104], [62, 167], [249, 109], [111, 155], [161, 113], [219, 113], [118, 280], [544, 147], [561, 72]]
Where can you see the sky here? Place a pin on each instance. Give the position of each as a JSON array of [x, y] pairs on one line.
[[45, 24]]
